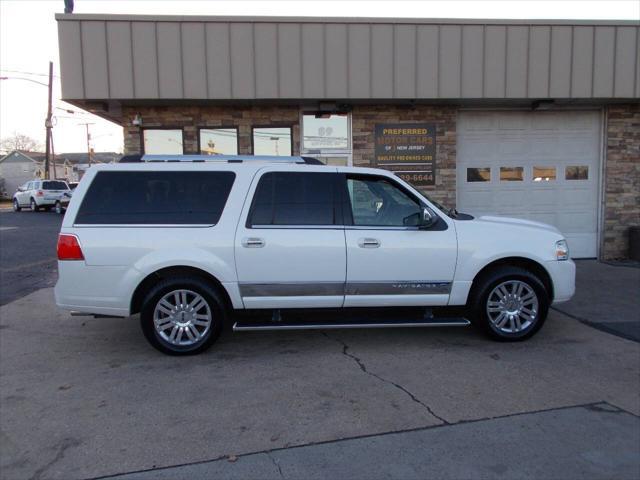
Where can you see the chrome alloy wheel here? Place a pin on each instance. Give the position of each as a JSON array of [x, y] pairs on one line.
[[512, 306], [182, 317]]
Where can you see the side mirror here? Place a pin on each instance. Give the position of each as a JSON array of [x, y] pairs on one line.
[[428, 218], [20, 189]]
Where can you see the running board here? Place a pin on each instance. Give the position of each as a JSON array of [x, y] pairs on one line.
[[259, 326]]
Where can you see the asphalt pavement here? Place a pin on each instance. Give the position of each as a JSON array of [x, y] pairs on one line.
[[27, 252], [84, 398]]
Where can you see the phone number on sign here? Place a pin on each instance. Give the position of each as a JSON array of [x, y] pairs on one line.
[[415, 176]]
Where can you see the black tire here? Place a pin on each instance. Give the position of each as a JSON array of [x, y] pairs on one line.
[[197, 285], [34, 205], [58, 207], [16, 205], [484, 287]]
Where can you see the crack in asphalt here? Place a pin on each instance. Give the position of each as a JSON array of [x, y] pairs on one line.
[[275, 462], [63, 446], [363, 367]]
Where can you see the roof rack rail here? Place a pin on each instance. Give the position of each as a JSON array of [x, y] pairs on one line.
[[223, 159]]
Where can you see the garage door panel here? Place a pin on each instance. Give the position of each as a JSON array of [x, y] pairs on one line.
[[548, 141]]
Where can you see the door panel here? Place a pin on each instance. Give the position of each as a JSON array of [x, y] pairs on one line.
[[290, 244], [391, 261], [293, 268], [409, 267]]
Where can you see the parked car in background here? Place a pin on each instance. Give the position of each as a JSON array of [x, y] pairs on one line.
[[38, 194], [189, 242], [73, 185], [62, 204]]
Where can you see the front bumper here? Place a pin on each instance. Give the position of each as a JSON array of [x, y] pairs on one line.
[[563, 277]]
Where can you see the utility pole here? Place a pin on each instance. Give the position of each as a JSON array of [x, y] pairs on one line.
[[88, 141], [48, 125]]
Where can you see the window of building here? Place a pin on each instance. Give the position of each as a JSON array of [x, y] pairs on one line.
[[576, 172], [544, 174], [375, 201], [478, 174], [327, 137], [272, 141], [163, 141], [511, 174], [156, 198], [218, 141], [294, 198]]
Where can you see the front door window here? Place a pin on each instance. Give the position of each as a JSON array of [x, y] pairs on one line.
[[375, 201]]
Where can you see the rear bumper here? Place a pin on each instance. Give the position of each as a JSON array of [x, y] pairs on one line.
[[92, 289], [563, 277]]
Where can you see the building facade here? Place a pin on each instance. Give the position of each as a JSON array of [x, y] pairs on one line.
[[537, 120]]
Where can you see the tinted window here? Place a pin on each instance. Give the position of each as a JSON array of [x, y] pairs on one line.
[[54, 185], [376, 201], [292, 198], [155, 198]]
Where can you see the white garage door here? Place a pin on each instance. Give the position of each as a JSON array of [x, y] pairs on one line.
[[541, 166]]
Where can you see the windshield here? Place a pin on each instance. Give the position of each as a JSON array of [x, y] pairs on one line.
[[54, 185]]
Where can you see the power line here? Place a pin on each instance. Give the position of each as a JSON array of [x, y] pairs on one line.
[[27, 73]]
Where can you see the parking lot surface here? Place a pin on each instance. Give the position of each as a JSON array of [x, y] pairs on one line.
[[85, 398], [28, 253]]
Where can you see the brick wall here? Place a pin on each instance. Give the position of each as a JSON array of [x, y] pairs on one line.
[[364, 119], [622, 179], [622, 182], [194, 117]]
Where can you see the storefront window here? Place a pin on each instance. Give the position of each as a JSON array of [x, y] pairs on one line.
[[162, 141], [325, 131], [218, 141], [272, 141]]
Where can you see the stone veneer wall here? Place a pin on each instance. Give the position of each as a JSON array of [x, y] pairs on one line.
[[622, 179], [364, 119], [622, 174]]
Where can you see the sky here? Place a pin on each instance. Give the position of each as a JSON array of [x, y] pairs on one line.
[[28, 41]]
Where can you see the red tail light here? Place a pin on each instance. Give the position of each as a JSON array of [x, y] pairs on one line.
[[39, 193], [69, 247]]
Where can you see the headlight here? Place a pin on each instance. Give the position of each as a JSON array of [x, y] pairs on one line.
[[562, 250]]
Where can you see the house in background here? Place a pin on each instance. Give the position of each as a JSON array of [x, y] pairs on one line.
[[18, 167]]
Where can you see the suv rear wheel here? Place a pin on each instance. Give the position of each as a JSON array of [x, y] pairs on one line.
[[509, 304], [182, 316], [34, 205]]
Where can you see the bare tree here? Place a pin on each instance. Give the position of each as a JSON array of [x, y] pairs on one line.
[[19, 141]]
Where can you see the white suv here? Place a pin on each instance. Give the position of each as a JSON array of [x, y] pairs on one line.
[[38, 194], [190, 242]]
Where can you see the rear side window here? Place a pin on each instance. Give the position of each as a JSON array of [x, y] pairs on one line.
[[155, 198], [294, 198], [54, 185]]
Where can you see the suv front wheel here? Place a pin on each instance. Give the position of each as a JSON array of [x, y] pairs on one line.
[[509, 304], [182, 316]]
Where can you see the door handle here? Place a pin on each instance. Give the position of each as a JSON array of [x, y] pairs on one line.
[[368, 243], [253, 242]]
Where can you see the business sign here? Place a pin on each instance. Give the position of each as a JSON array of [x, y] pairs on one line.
[[408, 150]]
